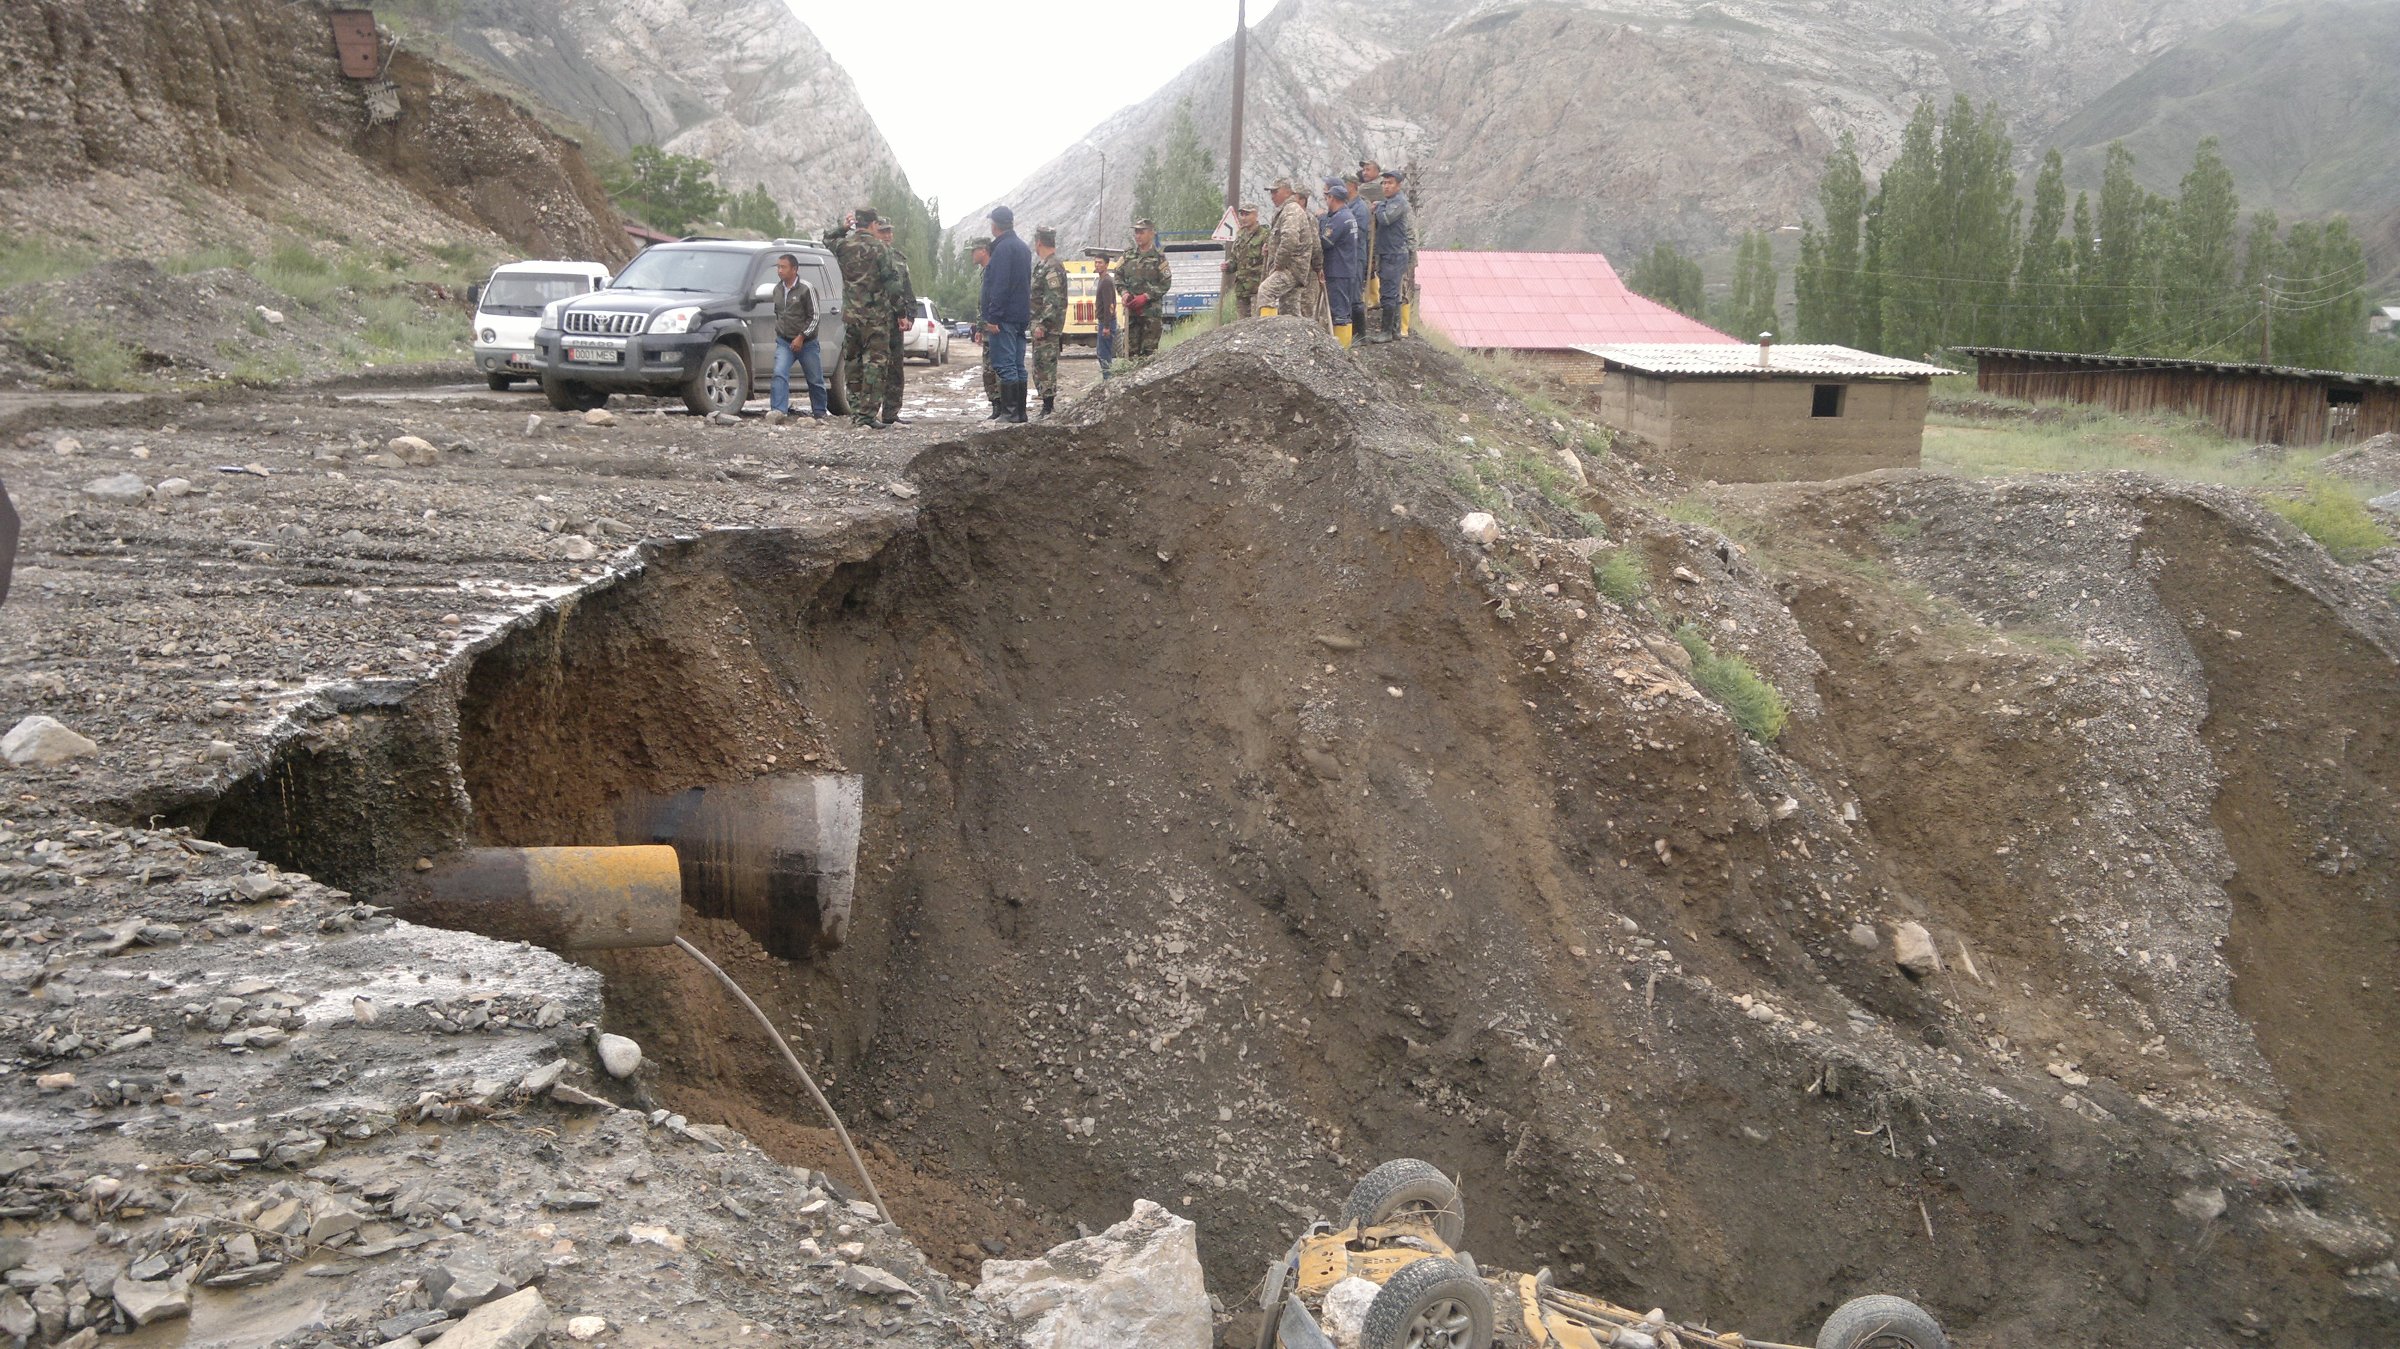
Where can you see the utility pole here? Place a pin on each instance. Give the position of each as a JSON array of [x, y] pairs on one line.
[[2266, 332], [1100, 224], [1241, 85]]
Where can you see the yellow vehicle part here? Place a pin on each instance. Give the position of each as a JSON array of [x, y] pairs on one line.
[[1083, 301], [1327, 1260]]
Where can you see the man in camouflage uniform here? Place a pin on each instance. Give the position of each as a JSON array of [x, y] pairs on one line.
[[1142, 279], [991, 373], [1246, 261], [1049, 329], [904, 311], [870, 291], [1285, 259]]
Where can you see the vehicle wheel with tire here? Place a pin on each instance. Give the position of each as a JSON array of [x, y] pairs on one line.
[[1881, 1322], [1406, 1187], [568, 396], [837, 391], [721, 384], [1432, 1304], [500, 383]]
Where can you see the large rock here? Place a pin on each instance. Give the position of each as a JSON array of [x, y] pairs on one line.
[[513, 1322], [1913, 951], [1139, 1282], [118, 487], [40, 742]]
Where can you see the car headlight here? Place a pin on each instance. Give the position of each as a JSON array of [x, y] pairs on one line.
[[490, 337], [675, 320], [550, 313]]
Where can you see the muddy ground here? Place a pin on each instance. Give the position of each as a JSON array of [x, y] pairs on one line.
[[1233, 824]]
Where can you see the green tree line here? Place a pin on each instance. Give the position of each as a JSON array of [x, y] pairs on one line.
[[1667, 275], [1942, 253]]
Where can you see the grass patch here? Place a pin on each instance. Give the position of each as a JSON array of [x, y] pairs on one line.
[[1620, 575], [206, 259], [2335, 519], [2080, 439], [24, 262], [77, 354], [1737, 686]]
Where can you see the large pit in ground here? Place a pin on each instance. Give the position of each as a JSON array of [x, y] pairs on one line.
[[1220, 843]]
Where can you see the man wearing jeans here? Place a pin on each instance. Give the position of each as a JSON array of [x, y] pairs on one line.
[[1007, 308], [1104, 308], [795, 340]]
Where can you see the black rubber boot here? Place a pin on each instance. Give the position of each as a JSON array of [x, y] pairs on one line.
[[1012, 403]]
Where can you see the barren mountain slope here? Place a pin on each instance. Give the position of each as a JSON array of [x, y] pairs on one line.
[[742, 84], [1675, 119], [176, 124]]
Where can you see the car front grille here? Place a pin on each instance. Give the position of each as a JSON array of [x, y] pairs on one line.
[[605, 321]]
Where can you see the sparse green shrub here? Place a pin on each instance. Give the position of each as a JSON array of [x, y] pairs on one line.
[[1600, 442], [2335, 519], [1746, 696], [23, 261], [1619, 574], [1592, 525]]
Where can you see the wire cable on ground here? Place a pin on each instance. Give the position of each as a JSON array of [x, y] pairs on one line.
[[797, 1071]]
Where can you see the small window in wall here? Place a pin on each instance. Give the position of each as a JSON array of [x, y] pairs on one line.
[[1828, 402]]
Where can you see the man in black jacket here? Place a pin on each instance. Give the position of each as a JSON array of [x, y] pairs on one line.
[[1007, 308]]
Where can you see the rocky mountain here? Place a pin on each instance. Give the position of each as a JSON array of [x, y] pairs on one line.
[[1614, 123], [742, 84], [2303, 98]]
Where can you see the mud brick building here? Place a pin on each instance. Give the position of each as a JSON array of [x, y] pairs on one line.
[[1543, 307], [1741, 412], [2284, 405]]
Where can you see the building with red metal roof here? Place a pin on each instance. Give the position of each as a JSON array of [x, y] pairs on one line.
[[1546, 303]]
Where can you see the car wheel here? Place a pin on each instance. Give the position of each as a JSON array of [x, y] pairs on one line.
[[1408, 1188], [500, 383], [1432, 1304], [721, 384], [568, 396], [837, 391], [1881, 1322]]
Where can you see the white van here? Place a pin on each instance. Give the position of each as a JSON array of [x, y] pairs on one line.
[[508, 310]]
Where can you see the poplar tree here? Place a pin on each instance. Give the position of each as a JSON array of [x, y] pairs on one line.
[[1750, 308], [1664, 274], [1827, 284], [2043, 305], [1179, 186]]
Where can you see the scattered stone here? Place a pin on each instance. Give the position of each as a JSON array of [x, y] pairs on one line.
[[533, 423], [567, 1093], [2065, 1072], [513, 1322], [462, 1284], [599, 417], [586, 1327], [42, 742], [409, 1323], [1865, 937], [1346, 1306], [123, 488], [245, 1276], [17, 1319], [2201, 1205], [724, 419], [906, 491], [414, 451], [649, 1234], [1686, 576], [575, 548], [171, 488], [1913, 951], [145, 1302], [569, 1201], [1788, 806], [333, 1220], [869, 1279], [620, 1056], [1139, 1282], [1479, 527], [273, 318], [543, 1078], [363, 1010]]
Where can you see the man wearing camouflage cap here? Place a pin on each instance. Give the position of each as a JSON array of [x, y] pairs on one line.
[[1049, 315], [871, 290], [1285, 264], [904, 312], [1143, 280], [1246, 260]]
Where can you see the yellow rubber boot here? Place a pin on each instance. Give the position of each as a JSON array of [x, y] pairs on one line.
[[1266, 311], [1341, 333], [1408, 320]]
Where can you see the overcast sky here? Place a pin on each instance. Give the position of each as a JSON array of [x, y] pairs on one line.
[[973, 96]]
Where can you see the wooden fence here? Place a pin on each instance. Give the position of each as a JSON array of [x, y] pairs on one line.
[[2254, 403]]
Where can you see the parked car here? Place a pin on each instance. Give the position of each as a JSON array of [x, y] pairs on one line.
[[508, 310], [694, 318], [927, 337], [965, 330]]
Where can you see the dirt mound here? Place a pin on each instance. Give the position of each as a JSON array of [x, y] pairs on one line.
[[1233, 825], [2373, 462]]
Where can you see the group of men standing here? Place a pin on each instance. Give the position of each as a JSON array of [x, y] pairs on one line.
[[1343, 267], [1023, 310], [878, 300]]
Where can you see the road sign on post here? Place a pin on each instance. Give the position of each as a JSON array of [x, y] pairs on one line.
[[356, 42]]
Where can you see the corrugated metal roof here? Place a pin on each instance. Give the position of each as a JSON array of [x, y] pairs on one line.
[[1541, 302], [1741, 358], [2181, 363]]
